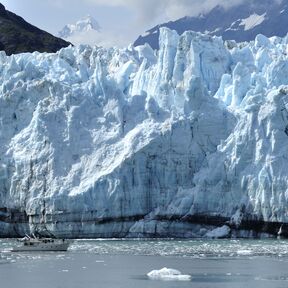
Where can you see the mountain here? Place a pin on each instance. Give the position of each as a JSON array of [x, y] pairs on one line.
[[178, 142], [17, 36], [84, 25], [85, 31], [240, 23]]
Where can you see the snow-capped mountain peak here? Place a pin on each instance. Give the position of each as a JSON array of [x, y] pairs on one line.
[[85, 31], [86, 24]]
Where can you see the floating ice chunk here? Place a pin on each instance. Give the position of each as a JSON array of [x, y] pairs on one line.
[[168, 274], [244, 252]]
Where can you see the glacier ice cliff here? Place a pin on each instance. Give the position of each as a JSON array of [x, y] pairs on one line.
[[98, 142]]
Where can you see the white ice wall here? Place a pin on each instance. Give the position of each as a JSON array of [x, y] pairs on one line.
[[126, 135]]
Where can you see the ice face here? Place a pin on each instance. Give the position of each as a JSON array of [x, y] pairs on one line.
[[101, 142]]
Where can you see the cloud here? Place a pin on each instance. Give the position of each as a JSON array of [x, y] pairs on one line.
[[92, 38], [153, 10]]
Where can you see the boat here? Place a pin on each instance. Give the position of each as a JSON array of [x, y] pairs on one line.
[[41, 244]]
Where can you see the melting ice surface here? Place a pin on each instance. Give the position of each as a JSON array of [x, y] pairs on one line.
[[101, 142]]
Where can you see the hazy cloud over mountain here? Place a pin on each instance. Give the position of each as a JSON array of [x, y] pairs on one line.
[[151, 10]]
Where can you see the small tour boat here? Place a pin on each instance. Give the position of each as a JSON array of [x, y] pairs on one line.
[[41, 244]]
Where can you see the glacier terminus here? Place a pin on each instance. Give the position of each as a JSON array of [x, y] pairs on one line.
[[188, 141]]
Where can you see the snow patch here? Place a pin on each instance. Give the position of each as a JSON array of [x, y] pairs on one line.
[[252, 21]]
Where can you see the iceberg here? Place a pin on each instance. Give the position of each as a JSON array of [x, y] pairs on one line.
[[168, 274], [108, 142]]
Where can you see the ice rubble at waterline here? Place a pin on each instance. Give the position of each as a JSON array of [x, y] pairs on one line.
[[101, 142]]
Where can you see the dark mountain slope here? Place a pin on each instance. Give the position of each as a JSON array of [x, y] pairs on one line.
[[17, 36]]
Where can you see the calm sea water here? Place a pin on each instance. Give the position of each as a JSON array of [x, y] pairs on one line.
[[125, 264]]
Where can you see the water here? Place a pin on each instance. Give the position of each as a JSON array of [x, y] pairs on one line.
[[125, 263]]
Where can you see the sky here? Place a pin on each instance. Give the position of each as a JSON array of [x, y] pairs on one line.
[[122, 21]]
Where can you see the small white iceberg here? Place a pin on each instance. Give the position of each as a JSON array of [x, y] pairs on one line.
[[167, 274]]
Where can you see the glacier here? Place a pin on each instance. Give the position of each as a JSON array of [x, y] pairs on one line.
[[187, 141]]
